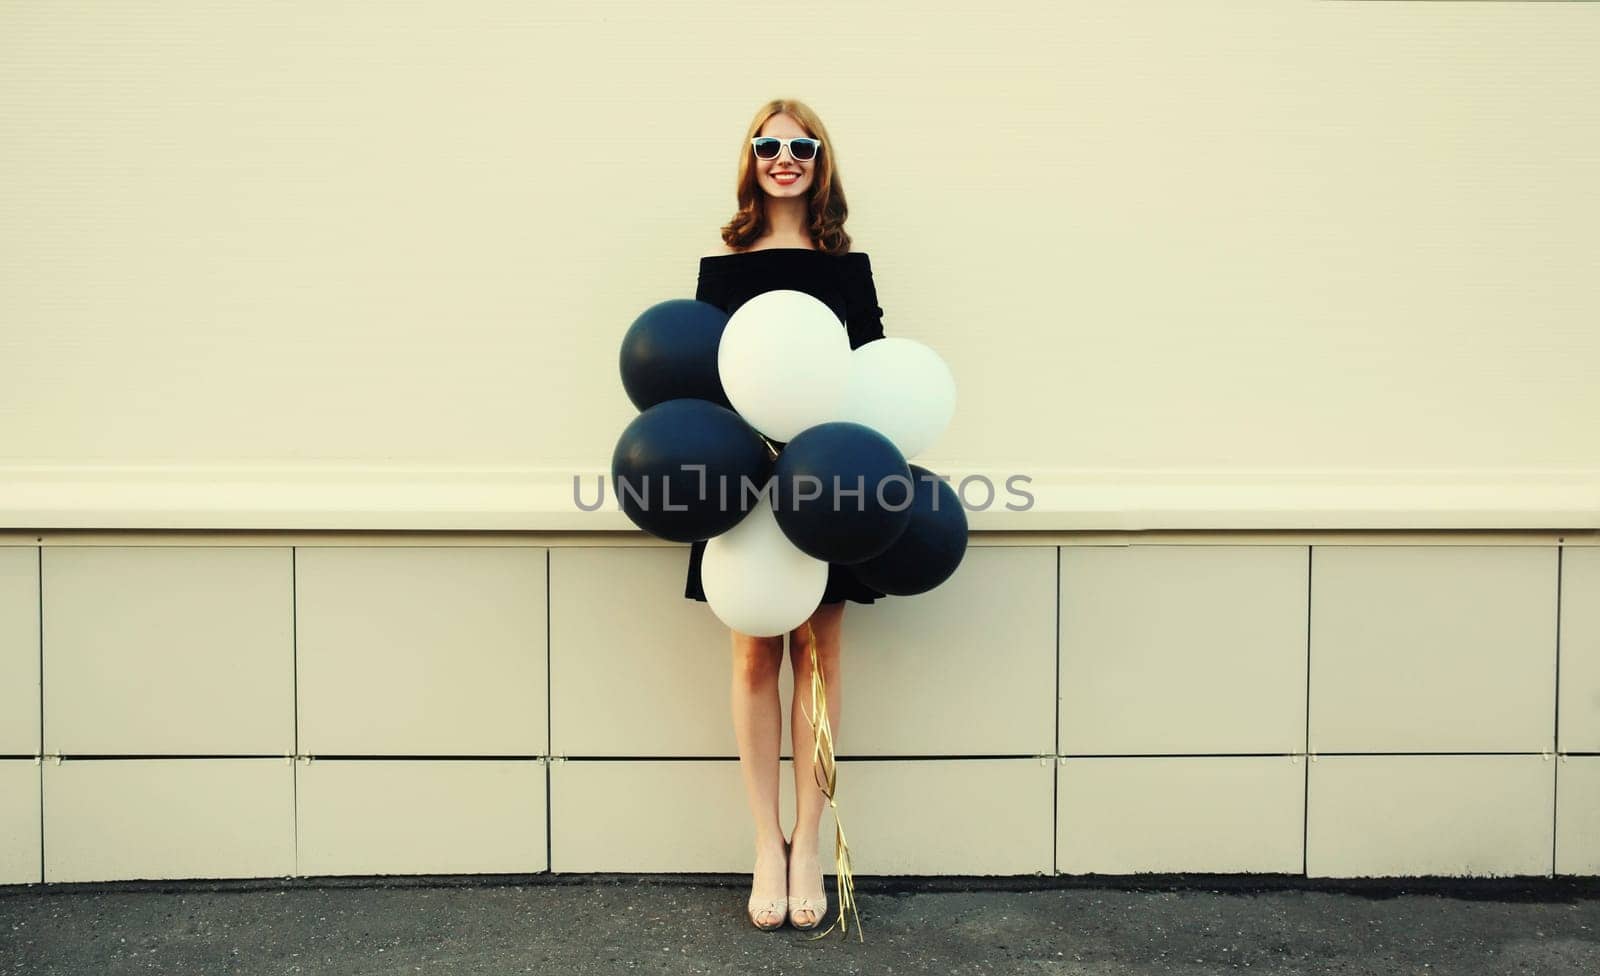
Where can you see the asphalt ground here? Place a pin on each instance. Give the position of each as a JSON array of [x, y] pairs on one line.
[[684, 924]]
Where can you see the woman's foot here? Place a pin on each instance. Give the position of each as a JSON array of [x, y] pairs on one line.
[[767, 910], [808, 901]]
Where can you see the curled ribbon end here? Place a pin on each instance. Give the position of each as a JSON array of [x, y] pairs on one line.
[[826, 775]]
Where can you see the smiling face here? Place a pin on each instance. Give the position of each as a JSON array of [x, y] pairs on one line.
[[785, 176]]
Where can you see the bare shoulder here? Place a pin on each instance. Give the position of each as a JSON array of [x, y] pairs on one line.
[[721, 249]]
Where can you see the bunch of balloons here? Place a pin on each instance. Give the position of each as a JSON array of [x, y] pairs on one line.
[[765, 434]]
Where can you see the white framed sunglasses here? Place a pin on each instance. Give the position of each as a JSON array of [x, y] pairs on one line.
[[800, 147]]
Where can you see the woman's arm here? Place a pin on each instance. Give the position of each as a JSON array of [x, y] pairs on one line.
[[863, 317], [711, 289]]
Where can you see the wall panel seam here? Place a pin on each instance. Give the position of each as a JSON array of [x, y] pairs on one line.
[[549, 710], [1555, 732], [39, 583], [1055, 783], [1305, 796]]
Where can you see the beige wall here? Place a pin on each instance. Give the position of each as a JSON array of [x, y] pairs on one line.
[[1248, 238], [416, 704]]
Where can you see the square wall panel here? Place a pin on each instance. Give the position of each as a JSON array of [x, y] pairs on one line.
[[968, 668], [1215, 815], [654, 680], [652, 815], [1183, 649], [1578, 816], [404, 816], [1580, 650], [19, 651], [1419, 816], [134, 819], [946, 816], [20, 838], [1433, 649], [635, 668], [154, 650], [915, 816], [437, 651]]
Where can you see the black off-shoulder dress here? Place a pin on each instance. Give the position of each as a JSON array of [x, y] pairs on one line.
[[843, 282]]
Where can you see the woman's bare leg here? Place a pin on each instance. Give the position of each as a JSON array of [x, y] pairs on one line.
[[805, 871], [757, 728]]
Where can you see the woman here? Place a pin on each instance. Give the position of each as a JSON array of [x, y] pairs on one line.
[[788, 233]]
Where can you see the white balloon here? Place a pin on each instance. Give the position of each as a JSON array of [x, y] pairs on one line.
[[756, 581], [903, 390], [784, 361]]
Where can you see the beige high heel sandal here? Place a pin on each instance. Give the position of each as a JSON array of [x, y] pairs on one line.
[[771, 906], [818, 907]]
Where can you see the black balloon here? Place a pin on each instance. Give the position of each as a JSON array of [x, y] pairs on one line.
[[681, 467], [670, 352], [840, 492], [930, 548]]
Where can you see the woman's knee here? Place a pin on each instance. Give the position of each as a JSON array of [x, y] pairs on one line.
[[757, 660]]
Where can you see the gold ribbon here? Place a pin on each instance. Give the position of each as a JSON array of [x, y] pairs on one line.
[[822, 759]]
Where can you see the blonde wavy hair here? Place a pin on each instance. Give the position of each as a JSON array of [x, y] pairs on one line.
[[825, 204]]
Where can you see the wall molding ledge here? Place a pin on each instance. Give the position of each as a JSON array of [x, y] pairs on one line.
[[39, 496]]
